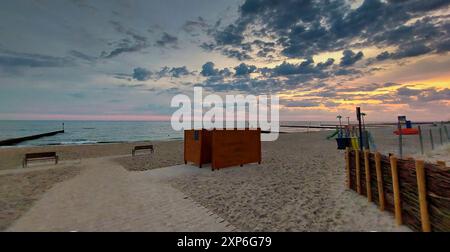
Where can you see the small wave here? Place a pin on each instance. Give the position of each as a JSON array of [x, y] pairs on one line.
[[78, 142]]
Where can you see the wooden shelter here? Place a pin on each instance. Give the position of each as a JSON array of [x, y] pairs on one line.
[[222, 148]]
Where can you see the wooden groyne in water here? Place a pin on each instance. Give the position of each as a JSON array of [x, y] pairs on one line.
[[14, 141]]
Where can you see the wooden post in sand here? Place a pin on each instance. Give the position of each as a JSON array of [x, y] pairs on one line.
[[422, 189], [396, 189], [367, 171], [379, 180], [358, 174], [347, 158]]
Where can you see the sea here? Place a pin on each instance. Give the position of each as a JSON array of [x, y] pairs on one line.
[[90, 132]]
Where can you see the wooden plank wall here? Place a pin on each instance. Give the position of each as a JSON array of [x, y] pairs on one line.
[[235, 147], [192, 147]]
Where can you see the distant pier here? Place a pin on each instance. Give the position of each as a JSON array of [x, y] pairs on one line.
[[14, 141]]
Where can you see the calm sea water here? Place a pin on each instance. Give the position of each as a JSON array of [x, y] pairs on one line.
[[85, 132]]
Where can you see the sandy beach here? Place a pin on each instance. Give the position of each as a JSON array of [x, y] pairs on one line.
[[300, 186]]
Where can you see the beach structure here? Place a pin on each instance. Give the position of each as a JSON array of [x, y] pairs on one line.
[[222, 148], [141, 148], [415, 191], [408, 130], [39, 156]]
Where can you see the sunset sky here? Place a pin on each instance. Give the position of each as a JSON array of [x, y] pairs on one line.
[[125, 60]]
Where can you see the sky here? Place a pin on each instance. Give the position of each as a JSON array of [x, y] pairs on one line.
[[125, 60]]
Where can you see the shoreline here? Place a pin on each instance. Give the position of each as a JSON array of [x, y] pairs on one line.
[[89, 143]]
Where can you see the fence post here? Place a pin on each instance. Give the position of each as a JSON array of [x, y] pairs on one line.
[[358, 174], [396, 189], [347, 157], [431, 140], [367, 170], [379, 180], [421, 140], [421, 187]]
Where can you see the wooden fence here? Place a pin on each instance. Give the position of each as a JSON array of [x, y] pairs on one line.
[[418, 193]]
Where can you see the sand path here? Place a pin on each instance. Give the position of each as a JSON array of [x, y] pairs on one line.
[[106, 197]]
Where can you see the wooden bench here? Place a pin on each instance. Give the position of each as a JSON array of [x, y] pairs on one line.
[[39, 156], [142, 147]]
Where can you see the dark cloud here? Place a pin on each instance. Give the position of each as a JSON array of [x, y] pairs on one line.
[[407, 51], [342, 72], [208, 46], [141, 74], [82, 56], [126, 49], [404, 91], [443, 46], [244, 69], [193, 25], [132, 43], [174, 72], [208, 70], [305, 70], [177, 72], [418, 96], [231, 35], [326, 64], [10, 60], [349, 58], [429, 95], [302, 28], [167, 40], [238, 54]]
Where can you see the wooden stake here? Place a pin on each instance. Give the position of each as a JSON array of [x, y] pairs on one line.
[[358, 174], [379, 180], [347, 157], [422, 189], [396, 189], [367, 170]]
